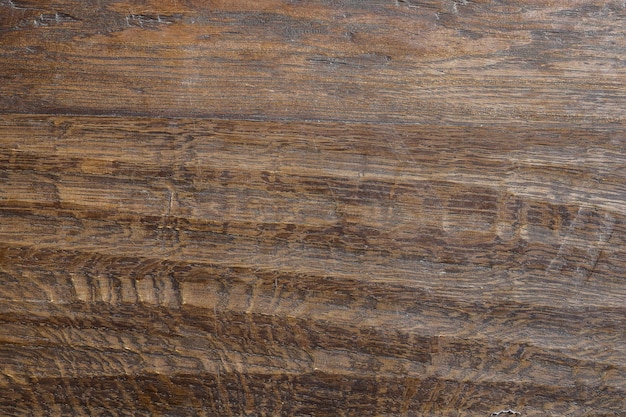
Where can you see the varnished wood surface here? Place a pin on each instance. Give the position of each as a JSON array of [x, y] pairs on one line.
[[324, 208]]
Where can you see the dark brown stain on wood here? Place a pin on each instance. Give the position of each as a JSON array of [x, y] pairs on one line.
[[409, 208]]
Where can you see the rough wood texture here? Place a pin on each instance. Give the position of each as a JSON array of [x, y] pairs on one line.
[[325, 208]]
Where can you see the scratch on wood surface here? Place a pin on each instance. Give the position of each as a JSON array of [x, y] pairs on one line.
[[578, 237], [171, 196], [558, 262]]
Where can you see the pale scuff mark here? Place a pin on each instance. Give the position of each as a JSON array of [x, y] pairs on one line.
[[576, 239], [406, 3], [81, 287], [508, 412]]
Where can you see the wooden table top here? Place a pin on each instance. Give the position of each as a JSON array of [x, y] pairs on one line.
[[313, 208]]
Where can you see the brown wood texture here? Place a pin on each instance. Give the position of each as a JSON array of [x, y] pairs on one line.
[[313, 208]]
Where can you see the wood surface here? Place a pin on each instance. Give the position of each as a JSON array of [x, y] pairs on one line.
[[313, 208]]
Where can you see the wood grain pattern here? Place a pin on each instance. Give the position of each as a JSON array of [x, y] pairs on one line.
[[323, 208], [432, 61]]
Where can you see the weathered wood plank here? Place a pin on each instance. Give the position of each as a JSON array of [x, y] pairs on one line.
[[314, 254], [146, 342], [431, 61], [399, 207]]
